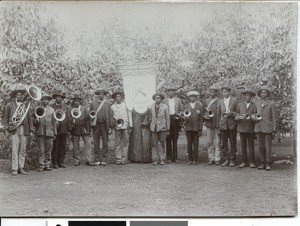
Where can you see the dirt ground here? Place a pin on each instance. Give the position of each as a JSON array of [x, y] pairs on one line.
[[145, 190]]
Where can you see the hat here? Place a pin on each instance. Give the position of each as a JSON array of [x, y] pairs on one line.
[[248, 91], [263, 88], [225, 88], [213, 89], [158, 94], [120, 92], [193, 93], [76, 96], [13, 93], [58, 93], [46, 96], [170, 88], [103, 91]]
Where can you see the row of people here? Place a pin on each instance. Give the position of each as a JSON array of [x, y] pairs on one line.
[[223, 118]]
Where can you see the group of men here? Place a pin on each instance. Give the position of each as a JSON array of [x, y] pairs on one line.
[[223, 118]]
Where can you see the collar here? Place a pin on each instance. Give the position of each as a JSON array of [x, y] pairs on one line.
[[226, 98]]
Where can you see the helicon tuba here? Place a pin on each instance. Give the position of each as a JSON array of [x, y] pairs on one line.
[[20, 113]]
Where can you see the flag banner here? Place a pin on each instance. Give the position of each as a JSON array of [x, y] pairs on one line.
[[139, 85]]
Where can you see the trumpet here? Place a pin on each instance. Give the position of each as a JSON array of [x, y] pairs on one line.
[[210, 113], [242, 116], [256, 117], [59, 115], [187, 113], [118, 123], [76, 113], [225, 114], [40, 112]]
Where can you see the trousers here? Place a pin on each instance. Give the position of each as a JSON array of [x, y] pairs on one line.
[[247, 140], [121, 145], [87, 148], [46, 145], [172, 139], [214, 151], [59, 149], [192, 144], [100, 130], [231, 135], [19, 141], [265, 147], [159, 146]]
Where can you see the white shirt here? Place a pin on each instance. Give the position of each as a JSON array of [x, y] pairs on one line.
[[172, 106], [192, 104], [120, 112], [247, 104], [226, 102]]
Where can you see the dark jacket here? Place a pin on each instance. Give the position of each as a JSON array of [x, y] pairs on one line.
[[81, 125], [46, 126], [195, 121], [9, 112], [65, 126], [104, 115], [212, 122], [178, 104], [161, 120], [268, 123], [224, 123], [244, 125]]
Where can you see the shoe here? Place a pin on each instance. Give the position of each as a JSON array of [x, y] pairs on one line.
[[226, 163], [217, 163], [55, 166], [195, 163], [169, 161], [210, 162], [242, 165], [21, 171], [76, 163], [177, 161], [41, 169], [252, 165], [268, 167], [154, 163], [103, 163], [91, 164], [190, 162], [48, 168], [62, 165], [123, 163], [14, 172], [231, 163], [162, 163], [261, 167], [118, 163]]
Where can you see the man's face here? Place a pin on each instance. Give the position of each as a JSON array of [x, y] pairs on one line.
[[213, 93], [58, 99], [157, 99], [19, 96], [76, 103], [225, 93], [248, 97], [45, 101], [100, 96], [171, 93], [192, 98], [118, 98], [263, 94]]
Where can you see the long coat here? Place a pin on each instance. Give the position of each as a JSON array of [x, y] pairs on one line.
[[46, 126], [212, 122], [178, 104], [195, 120], [161, 121], [105, 114], [224, 123], [244, 125], [81, 125], [9, 112], [268, 123], [65, 126]]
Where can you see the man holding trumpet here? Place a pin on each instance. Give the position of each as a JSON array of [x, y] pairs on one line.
[[245, 127], [81, 128], [46, 131], [227, 126]]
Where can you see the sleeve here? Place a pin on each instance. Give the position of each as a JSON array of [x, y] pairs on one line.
[[6, 116], [69, 118], [167, 117], [238, 111], [218, 114], [201, 109], [87, 119], [129, 114], [234, 109], [30, 120], [109, 115], [54, 123], [180, 105], [274, 117]]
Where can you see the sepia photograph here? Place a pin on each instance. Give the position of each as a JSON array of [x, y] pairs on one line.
[[148, 109]]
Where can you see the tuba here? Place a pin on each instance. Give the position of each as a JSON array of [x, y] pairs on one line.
[[76, 113], [20, 113], [40, 112], [59, 115]]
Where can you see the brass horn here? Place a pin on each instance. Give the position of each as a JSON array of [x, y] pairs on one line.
[[40, 112], [34, 92], [256, 117], [92, 114], [76, 113], [119, 123], [59, 115], [210, 113], [187, 113]]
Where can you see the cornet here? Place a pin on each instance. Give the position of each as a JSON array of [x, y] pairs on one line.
[[242, 116], [187, 113], [210, 113], [40, 112], [76, 113], [59, 115], [119, 123], [256, 117], [225, 114]]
